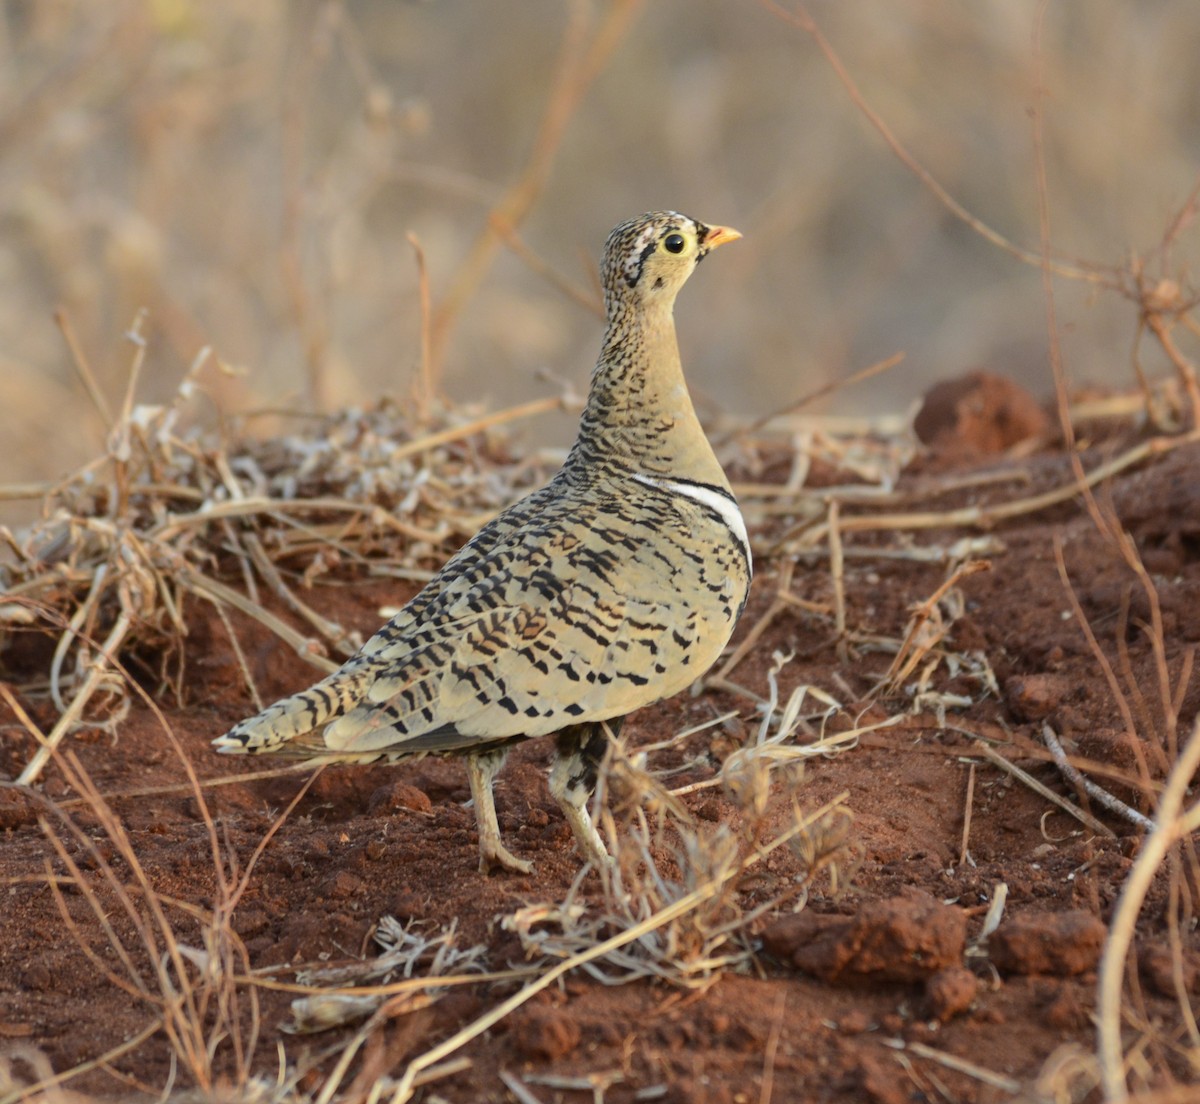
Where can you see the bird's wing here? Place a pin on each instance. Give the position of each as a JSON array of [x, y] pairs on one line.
[[545, 625], [566, 621], [523, 669]]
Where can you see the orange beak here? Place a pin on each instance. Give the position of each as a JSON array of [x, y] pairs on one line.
[[719, 235]]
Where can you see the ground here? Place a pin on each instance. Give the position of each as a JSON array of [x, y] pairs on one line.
[[859, 996]]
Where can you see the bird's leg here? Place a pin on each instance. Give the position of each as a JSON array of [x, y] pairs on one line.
[[578, 752], [481, 770]]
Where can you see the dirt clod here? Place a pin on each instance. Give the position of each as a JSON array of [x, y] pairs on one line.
[[399, 795], [344, 885], [900, 939], [978, 414], [16, 809], [879, 1084], [37, 977], [854, 1022], [1034, 697], [1057, 944], [785, 935], [950, 992]]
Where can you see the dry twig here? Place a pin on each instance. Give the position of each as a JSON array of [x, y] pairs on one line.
[[1025, 777]]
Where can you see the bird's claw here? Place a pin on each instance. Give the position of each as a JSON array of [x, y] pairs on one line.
[[493, 854]]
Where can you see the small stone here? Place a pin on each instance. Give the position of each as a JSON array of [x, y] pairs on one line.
[[854, 1022], [951, 992], [1058, 944], [709, 809], [344, 885], [1035, 697], [399, 795]]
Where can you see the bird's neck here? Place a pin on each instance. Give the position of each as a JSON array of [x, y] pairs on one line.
[[639, 413]]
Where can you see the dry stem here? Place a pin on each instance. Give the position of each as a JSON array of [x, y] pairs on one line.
[[1171, 823]]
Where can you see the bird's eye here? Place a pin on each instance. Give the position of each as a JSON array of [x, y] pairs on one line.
[[674, 243]]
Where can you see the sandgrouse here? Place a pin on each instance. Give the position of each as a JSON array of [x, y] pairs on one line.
[[614, 586]]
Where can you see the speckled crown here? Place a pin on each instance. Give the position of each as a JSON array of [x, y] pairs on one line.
[[631, 242]]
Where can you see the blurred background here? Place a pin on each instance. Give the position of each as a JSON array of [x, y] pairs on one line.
[[250, 174]]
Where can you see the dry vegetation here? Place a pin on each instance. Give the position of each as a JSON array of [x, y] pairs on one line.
[[186, 507]]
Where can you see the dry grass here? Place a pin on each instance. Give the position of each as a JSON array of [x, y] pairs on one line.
[[179, 960], [662, 857]]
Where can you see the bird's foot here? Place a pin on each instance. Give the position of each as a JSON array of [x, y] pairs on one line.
[[493, 853], [481, 769], [586, 836]]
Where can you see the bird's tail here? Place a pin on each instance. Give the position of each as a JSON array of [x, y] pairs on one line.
[[299, 715]]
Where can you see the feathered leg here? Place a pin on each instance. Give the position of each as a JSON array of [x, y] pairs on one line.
[[578, 752], [481, 771]]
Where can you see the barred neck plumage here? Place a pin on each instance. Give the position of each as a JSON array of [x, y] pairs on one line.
[[639, 414]]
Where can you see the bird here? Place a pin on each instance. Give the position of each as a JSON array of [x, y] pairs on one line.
[[614, 586]]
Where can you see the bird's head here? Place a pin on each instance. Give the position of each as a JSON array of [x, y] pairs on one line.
[[648, 259]]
